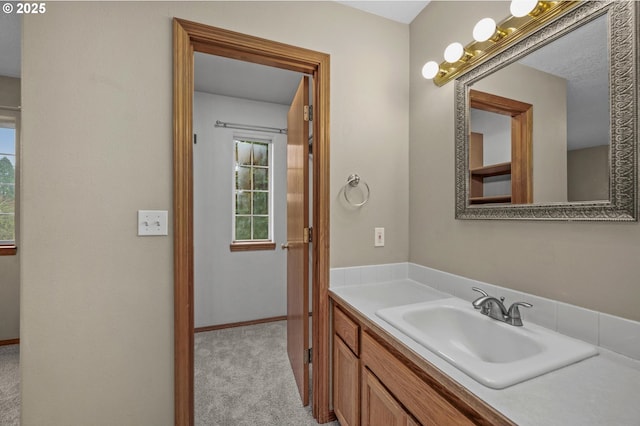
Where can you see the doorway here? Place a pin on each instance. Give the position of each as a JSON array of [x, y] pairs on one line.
[[240, 190], [190, 37], [245, 172]]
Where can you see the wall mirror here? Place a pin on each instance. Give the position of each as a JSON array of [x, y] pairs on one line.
[[548, 129]]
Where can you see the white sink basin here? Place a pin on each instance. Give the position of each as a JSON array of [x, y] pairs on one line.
[[492, 352]]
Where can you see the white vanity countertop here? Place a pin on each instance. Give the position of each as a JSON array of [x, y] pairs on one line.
[[602, 390]]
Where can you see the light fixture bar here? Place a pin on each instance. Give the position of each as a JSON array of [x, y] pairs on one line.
[[508, 31]]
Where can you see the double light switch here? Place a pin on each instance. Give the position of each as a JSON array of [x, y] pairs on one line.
[[153, 222]]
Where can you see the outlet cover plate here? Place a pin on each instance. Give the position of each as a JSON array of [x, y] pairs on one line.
[[379, 237]]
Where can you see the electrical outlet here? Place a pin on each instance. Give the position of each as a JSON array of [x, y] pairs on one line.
[[379, 237], [152, 222]]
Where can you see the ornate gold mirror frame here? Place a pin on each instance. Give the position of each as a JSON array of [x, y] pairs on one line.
[[623, 158]]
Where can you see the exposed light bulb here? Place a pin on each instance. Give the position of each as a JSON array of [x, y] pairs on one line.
[[484, 29], [453, 52], [520, 8], [430, 70]]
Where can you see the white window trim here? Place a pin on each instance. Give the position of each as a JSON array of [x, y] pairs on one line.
[[251, 137], [14, 118]]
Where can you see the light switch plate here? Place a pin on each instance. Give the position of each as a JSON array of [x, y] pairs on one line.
[[379, 237], [153, 222]]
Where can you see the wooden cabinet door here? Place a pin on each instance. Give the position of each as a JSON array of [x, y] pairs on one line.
[[379, 407], [346, 384]]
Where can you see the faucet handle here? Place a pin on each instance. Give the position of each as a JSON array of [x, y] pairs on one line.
[[514, 313], [479, 290], [484, 307]]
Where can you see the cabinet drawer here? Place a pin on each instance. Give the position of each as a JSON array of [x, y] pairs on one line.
[[347, 329], [424, 402]]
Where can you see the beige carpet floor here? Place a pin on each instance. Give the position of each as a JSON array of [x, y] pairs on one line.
[[243, 377], [9, 385]]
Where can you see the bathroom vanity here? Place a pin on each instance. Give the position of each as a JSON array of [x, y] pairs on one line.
[[375, 383], [381, 376]]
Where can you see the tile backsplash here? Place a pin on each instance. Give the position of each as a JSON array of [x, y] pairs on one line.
[[610, 332]]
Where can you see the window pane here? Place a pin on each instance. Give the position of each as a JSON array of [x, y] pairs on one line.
[[7, 198], [7, 227], [260, 203], [252, 200], [7, 186], [260, 154], [243, 228], [243, 202], [243, 178], [7, 170], [7, 141], [260, 227], [261, 179], [243, 153]]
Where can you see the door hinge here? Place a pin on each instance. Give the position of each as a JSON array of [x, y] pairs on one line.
[[306, 235], [307, 112], [195, 138], [307, 356]]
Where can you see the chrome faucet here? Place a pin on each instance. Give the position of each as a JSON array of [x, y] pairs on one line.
[[495, 309]]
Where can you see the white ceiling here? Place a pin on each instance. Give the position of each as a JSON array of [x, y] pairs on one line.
[[231, 77], [581, 58], [398, 10]]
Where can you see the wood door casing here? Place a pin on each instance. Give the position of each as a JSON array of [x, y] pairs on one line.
[[298, 251], [521, 114], [191, 36]]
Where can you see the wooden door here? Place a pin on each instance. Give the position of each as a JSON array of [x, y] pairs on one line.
[[298, 238]]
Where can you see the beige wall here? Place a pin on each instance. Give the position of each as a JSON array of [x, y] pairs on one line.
[[548, 95], [9, 91], [588, 173], [9, 265], [593, 265], [97, 301]]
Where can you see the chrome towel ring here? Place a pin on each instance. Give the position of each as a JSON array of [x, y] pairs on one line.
[[352, 182]]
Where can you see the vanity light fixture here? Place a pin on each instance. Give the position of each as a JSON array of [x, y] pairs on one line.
[[430, 69], [454, 52], [520, 8], [490, 38], [484, 29]]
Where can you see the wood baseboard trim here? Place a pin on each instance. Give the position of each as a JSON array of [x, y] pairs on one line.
[[238, 324], [9, 342]]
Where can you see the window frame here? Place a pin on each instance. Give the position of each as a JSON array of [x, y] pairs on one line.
[[10, 248], [253, 245]]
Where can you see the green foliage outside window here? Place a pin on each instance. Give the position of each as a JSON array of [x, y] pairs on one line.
[[252, 191], [7, 200]]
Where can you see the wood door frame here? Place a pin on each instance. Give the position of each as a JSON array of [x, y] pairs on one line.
[[189, 37], [521, 114]]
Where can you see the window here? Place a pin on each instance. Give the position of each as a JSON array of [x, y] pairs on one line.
[[252, 217], [7, 185]]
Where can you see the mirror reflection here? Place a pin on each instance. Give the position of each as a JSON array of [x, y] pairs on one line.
[[562, 153]]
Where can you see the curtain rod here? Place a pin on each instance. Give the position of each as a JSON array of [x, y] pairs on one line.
[[10, 108], [250, 127]]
